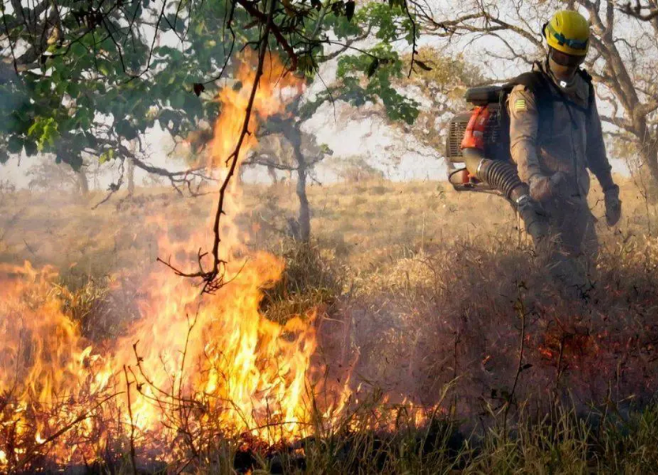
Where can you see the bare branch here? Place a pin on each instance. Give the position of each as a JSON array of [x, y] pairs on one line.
[[213, 279], [639, 11]]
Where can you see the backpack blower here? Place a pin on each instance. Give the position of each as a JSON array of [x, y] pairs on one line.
[[479, 140]]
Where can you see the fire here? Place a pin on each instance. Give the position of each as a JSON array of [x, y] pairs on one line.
[[190, 368], [48, 376], [193, 369]]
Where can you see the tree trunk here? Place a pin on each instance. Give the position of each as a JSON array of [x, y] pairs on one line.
[[130, 176], [304, 210], [649, 154], [83, 182], [295, 138], [291, 131], [272, 173]]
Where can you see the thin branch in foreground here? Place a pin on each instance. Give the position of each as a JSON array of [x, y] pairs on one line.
[[81, 417], [213, 279], [132, 423]]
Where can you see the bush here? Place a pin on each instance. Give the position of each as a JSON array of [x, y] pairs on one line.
[[311, 279]]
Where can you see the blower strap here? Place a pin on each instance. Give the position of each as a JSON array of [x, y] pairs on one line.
[[541, 86]]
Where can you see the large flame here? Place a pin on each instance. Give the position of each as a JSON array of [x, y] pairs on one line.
[[189, 365]]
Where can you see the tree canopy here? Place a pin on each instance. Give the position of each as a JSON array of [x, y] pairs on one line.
[[86, 77]]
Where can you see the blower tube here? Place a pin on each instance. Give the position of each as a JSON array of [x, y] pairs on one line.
[[502, 176], [499, 175]]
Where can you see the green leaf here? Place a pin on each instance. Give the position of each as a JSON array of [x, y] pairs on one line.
[[349, 9], [78, 50], [73, 89], [72, 159], [126, 130], [30, 148], [106, 156], [306, 64], [177, 100], [15, 144], [84, 117], [49, 135], [372, 68], [104, 69]]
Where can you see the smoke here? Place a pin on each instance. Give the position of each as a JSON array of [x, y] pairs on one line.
[[486, 321]]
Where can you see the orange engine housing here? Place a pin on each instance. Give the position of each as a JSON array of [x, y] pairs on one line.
[[477, 125]]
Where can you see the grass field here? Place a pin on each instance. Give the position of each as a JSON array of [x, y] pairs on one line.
[[432, 297], [366, 224]]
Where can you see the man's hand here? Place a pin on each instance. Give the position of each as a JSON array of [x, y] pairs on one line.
[[543, 188], [612, 205]]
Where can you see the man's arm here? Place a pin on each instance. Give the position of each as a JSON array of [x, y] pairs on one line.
[[597, 158], [597, 161], [524, 124]]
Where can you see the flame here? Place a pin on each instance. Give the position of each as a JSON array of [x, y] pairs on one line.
[[192, 368], [190, 365], [248, 373]]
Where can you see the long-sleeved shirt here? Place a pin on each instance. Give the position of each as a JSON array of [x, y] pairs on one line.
[[570, 139]]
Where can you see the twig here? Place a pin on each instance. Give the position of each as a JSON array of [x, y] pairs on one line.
[[113, 188], [34, 453], [636, 11], [414, 49], [132, 424], [210, 278], [520, 307]]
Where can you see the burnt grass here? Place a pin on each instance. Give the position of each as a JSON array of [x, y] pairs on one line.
[[559, 442], [516, 375]]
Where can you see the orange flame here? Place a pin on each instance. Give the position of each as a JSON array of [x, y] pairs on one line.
[[189, 365], [191, 368]]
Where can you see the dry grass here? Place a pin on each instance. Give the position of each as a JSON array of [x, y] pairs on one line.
[[364, 224], [432, 295]]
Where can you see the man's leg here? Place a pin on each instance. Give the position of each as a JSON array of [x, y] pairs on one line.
[[572, 222]]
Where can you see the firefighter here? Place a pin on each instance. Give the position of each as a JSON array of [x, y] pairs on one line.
[[555, 137]]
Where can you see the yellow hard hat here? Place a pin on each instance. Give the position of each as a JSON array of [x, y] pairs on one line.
[[568, 31]]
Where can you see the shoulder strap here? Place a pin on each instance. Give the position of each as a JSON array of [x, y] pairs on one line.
[[588, 79], [537, 83], [533, 80], [585, 75]]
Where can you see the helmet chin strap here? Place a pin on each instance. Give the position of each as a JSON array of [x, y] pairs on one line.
[[564, 84]]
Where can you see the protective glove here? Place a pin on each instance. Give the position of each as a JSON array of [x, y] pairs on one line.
[[535, 218], [612, 205], [543, 188]]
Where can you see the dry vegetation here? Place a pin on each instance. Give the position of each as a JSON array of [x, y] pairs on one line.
[[433, 297]]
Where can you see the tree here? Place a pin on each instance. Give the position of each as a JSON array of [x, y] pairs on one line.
[[89, 81], [283, 146], [620, 59], [365, 75], [443, 82], [94, 75]]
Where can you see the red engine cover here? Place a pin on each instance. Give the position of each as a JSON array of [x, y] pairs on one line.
[[474, 135]]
